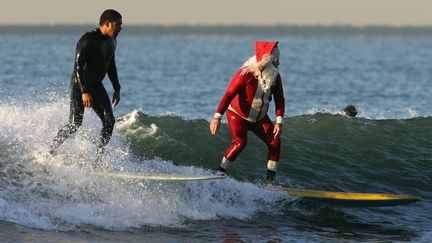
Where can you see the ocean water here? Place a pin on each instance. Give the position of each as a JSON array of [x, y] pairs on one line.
[[171, 86]]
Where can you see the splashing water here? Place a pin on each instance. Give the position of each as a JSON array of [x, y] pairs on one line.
[[59, 193]]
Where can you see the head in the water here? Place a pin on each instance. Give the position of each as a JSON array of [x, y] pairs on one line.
[[350, 110]]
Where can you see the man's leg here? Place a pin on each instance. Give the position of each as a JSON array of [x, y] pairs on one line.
[[75, 120], [264, 130], [102, 107], [238, 127]]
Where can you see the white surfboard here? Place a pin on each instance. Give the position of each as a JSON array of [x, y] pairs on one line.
[[155, 177]]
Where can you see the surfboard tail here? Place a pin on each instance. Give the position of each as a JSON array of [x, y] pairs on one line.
[[351, 199]]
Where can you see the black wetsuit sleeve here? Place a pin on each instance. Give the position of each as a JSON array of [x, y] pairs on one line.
[[81, 62], [112, 74]]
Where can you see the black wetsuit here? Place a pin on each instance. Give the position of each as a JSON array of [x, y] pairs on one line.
[[93, 60]]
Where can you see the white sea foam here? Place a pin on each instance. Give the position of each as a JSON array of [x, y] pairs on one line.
[[129, 126], [43, 192]]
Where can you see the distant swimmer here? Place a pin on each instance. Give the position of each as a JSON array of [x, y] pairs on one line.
[[350, 110], [246, 103], [95, 57]]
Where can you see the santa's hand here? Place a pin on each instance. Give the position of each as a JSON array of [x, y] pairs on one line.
[[214, 125], [277, 130]]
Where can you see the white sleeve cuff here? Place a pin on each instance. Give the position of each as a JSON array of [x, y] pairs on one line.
[[217, 115], [279, 120]]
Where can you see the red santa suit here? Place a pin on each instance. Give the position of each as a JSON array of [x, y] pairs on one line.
[[247, 100]]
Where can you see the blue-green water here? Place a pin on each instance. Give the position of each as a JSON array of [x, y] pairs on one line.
[[171, 85]]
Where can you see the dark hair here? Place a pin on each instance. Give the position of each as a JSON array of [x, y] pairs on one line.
[[109, 15], [350, 110]]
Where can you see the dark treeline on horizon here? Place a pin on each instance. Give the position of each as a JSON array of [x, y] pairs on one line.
[[229, 30]]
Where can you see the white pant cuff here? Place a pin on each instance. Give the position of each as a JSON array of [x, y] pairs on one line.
[[272, 165], [225, 163]]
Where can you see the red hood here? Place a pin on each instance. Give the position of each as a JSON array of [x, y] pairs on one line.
[[262, 48]]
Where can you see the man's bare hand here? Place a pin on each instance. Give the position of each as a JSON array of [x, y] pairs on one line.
[[277, 130], [116, 99], [214, 125], [87, 100]]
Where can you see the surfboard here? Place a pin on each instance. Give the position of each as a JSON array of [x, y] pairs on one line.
[[351, 199], [155, 177]]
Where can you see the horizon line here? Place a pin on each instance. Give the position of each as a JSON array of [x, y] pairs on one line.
[[221, 25], [249, 30]]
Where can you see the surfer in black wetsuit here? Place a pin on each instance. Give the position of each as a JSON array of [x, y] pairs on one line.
[[93, 60]]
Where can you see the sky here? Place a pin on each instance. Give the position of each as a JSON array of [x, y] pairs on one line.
[[222, 12]]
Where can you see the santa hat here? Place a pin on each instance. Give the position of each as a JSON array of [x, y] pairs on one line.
[[264, 49], [265, 53]]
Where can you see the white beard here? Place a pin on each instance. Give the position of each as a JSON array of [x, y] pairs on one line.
[[267, 77]]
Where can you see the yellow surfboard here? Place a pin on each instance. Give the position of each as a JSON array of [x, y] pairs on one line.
[[155, 177], [351, 199]]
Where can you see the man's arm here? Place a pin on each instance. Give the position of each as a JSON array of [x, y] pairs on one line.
[[81, 58], [80, 64], [112, 74], [279, 100], [236, 83]]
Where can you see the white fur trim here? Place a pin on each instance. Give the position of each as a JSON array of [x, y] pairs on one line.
[[225, 163], [279, 120], [256, 105], [217, 115], [272, 165], [240, 115]]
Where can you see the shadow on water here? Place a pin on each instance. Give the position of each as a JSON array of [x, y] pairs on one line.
[[305, 221], [346, 224]]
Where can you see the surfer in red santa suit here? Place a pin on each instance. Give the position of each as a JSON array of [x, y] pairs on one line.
[[246, 103]]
